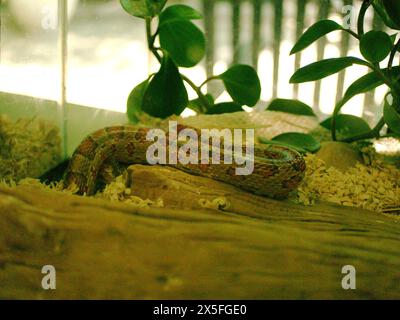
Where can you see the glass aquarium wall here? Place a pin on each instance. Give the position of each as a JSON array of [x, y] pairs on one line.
[[30, 61], [31, 107], [79, 76], [107, 55], [47, 63]]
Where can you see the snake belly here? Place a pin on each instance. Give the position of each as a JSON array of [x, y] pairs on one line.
[[277, 170]]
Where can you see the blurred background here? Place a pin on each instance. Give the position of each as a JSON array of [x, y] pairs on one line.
[[106, 53]]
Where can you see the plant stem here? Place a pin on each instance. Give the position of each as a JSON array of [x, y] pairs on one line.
[[361, 17], [204, 102], [376, 68], [374, 133], [208, 80], [387, 79], [151, 39], [394, 79], [354, 34], [392, 55]]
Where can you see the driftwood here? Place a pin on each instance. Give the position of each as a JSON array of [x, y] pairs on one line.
[[265, 249]]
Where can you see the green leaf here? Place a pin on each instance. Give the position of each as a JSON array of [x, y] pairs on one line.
[[135, 99], [184, 42], [143, 8], [165, 94], [386, 18], [391, 116], [364, 84], [225, 107], [347, 125], [316, 31], [242, 83], [392, 7], [278, 143], [180, 12], [375, 46], [324, 68], [291, 106], [195, 104], [299, 141], [393, 37]]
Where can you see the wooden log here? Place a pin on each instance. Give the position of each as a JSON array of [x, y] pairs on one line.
[[109, 251]]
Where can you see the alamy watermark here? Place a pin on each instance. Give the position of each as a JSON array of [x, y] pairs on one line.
[[190, 146], [49, 280], [349, 280], [349, 17], [50, 18]]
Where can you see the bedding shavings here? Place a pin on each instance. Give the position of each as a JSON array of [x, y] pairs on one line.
[[374, 187], [28, 148], [117, 191]]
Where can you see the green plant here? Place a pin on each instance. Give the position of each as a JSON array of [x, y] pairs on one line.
[[375, 47], [182, 44]]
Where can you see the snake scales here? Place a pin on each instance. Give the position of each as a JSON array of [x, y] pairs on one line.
[[277, 170]]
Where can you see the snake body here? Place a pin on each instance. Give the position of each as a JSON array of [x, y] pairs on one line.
[[277, 169]]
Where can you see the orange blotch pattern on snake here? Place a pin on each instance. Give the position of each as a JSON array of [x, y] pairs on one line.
[[277, 170]]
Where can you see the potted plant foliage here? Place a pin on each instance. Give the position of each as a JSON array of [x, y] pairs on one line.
[[375, 47], [182, 45]]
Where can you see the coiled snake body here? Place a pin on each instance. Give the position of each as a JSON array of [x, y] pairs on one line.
[[277, 170]]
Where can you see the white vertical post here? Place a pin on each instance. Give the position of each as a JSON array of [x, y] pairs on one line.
[[63, 50], [1, 29]]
